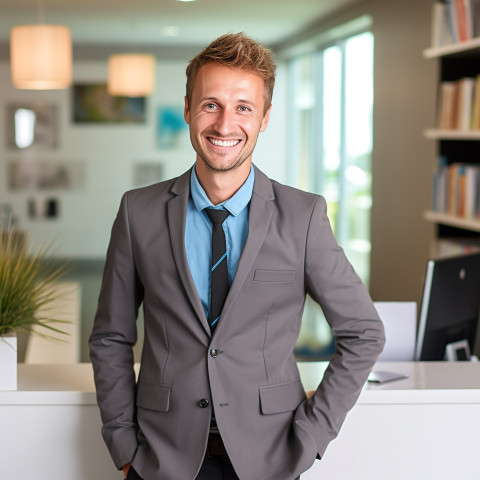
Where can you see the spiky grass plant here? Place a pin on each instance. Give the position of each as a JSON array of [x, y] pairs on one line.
[[27, 286]]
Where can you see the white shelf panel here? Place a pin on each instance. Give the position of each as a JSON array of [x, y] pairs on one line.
[[435, 134], [457, 48], [452, 220]]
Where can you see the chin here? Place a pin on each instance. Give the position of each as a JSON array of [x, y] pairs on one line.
[[223, 166]]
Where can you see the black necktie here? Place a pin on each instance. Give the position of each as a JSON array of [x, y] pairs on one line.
[[219, 288]]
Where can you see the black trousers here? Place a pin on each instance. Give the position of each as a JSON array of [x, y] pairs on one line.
[[213, 468], [216, 468]]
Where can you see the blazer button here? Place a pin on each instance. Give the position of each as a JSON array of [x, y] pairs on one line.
[[214, 352], [203, 403]]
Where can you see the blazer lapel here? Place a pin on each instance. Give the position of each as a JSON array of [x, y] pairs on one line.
[[177, 213], [260, 215]]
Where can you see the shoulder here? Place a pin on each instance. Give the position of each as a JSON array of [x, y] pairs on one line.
[[284, 194], [294, 194], [161, 191]]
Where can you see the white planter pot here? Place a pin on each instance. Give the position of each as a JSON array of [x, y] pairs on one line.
[[8, 362]]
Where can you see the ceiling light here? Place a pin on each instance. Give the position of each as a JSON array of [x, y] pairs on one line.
[[41, 56], [131, 75]]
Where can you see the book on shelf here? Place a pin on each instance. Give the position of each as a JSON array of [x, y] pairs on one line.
[[456, 189], [476, 105], [466, 87], [440, 31], [472, 191], [459, 104], [454, 21], [445, 247], [446, 105], [440, 186], [475, 17], [463, 20]]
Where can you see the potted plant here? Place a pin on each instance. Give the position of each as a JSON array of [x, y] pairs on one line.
[[27, 288]]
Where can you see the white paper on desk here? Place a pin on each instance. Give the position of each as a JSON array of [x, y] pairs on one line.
[[400, 321]]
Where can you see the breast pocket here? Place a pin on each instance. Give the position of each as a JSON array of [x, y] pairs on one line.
[[274, 276]]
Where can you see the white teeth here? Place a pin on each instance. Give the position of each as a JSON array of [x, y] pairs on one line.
[[224, 143]]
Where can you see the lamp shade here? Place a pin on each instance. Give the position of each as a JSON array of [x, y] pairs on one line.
[[131, 74], [41, 56]]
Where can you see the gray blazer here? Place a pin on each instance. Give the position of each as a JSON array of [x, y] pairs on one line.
[[270, 430]]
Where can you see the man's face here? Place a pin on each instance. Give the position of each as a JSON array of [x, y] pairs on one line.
[[226, 115]]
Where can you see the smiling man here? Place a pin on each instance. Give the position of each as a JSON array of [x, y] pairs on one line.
[[226, 109], [222, 259]]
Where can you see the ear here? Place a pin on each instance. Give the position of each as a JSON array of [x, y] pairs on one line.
[[265, 120], [186, 112]]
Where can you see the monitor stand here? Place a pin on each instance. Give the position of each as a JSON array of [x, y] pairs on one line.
[[458, 351]]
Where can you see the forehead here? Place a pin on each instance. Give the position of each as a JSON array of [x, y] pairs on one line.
[[213, 79]]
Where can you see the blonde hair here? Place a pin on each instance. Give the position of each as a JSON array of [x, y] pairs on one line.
[[240, 51]]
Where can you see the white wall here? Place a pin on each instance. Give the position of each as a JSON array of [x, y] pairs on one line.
[[109, 152]]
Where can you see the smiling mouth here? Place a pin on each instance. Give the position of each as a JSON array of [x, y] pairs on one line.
[[223, 143]]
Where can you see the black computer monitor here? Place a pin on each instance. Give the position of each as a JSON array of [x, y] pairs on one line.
[[450, 309]]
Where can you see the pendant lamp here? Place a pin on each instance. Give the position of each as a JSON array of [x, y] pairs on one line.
[[41, 56], [131, 74]]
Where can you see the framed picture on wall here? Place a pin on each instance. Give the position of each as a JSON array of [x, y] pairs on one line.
[[34, 174], [31, 126], [93, 104], [43, 208], [171, 129]]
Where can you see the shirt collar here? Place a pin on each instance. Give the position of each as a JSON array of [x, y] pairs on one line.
[[235, 204]]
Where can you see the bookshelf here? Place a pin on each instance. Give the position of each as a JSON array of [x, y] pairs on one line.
[[452, 220], [438, 134], [465, 49], [455, 146]]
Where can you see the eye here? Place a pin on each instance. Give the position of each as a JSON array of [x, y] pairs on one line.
[[210, 106], [244, 108]]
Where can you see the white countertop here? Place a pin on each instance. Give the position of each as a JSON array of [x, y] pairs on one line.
[[427, 382], [44, 384]]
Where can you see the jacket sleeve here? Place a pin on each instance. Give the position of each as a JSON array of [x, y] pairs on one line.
[[358, 331], [111, 342]]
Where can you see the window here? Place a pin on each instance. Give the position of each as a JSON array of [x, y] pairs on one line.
[[331, 100]]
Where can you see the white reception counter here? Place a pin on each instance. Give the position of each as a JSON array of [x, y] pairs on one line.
[[424, 427]]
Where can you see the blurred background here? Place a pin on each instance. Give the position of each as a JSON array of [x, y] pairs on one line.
[[352, 98]]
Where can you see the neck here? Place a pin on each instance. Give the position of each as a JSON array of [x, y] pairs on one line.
[[220, 186]]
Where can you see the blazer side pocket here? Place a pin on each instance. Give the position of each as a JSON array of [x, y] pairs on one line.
[[281, 398], [279, 276], [153, 397]]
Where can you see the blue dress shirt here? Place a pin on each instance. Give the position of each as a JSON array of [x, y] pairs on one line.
[[198, 233]]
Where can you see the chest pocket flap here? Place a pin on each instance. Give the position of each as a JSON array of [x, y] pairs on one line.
[[279, 276]]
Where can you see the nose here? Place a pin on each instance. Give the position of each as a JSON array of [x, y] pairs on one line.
[[224, 122]]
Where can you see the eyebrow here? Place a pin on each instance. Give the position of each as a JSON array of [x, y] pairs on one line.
[[216, 99]]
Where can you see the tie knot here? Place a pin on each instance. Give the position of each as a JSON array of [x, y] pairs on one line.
[[217, 217]]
